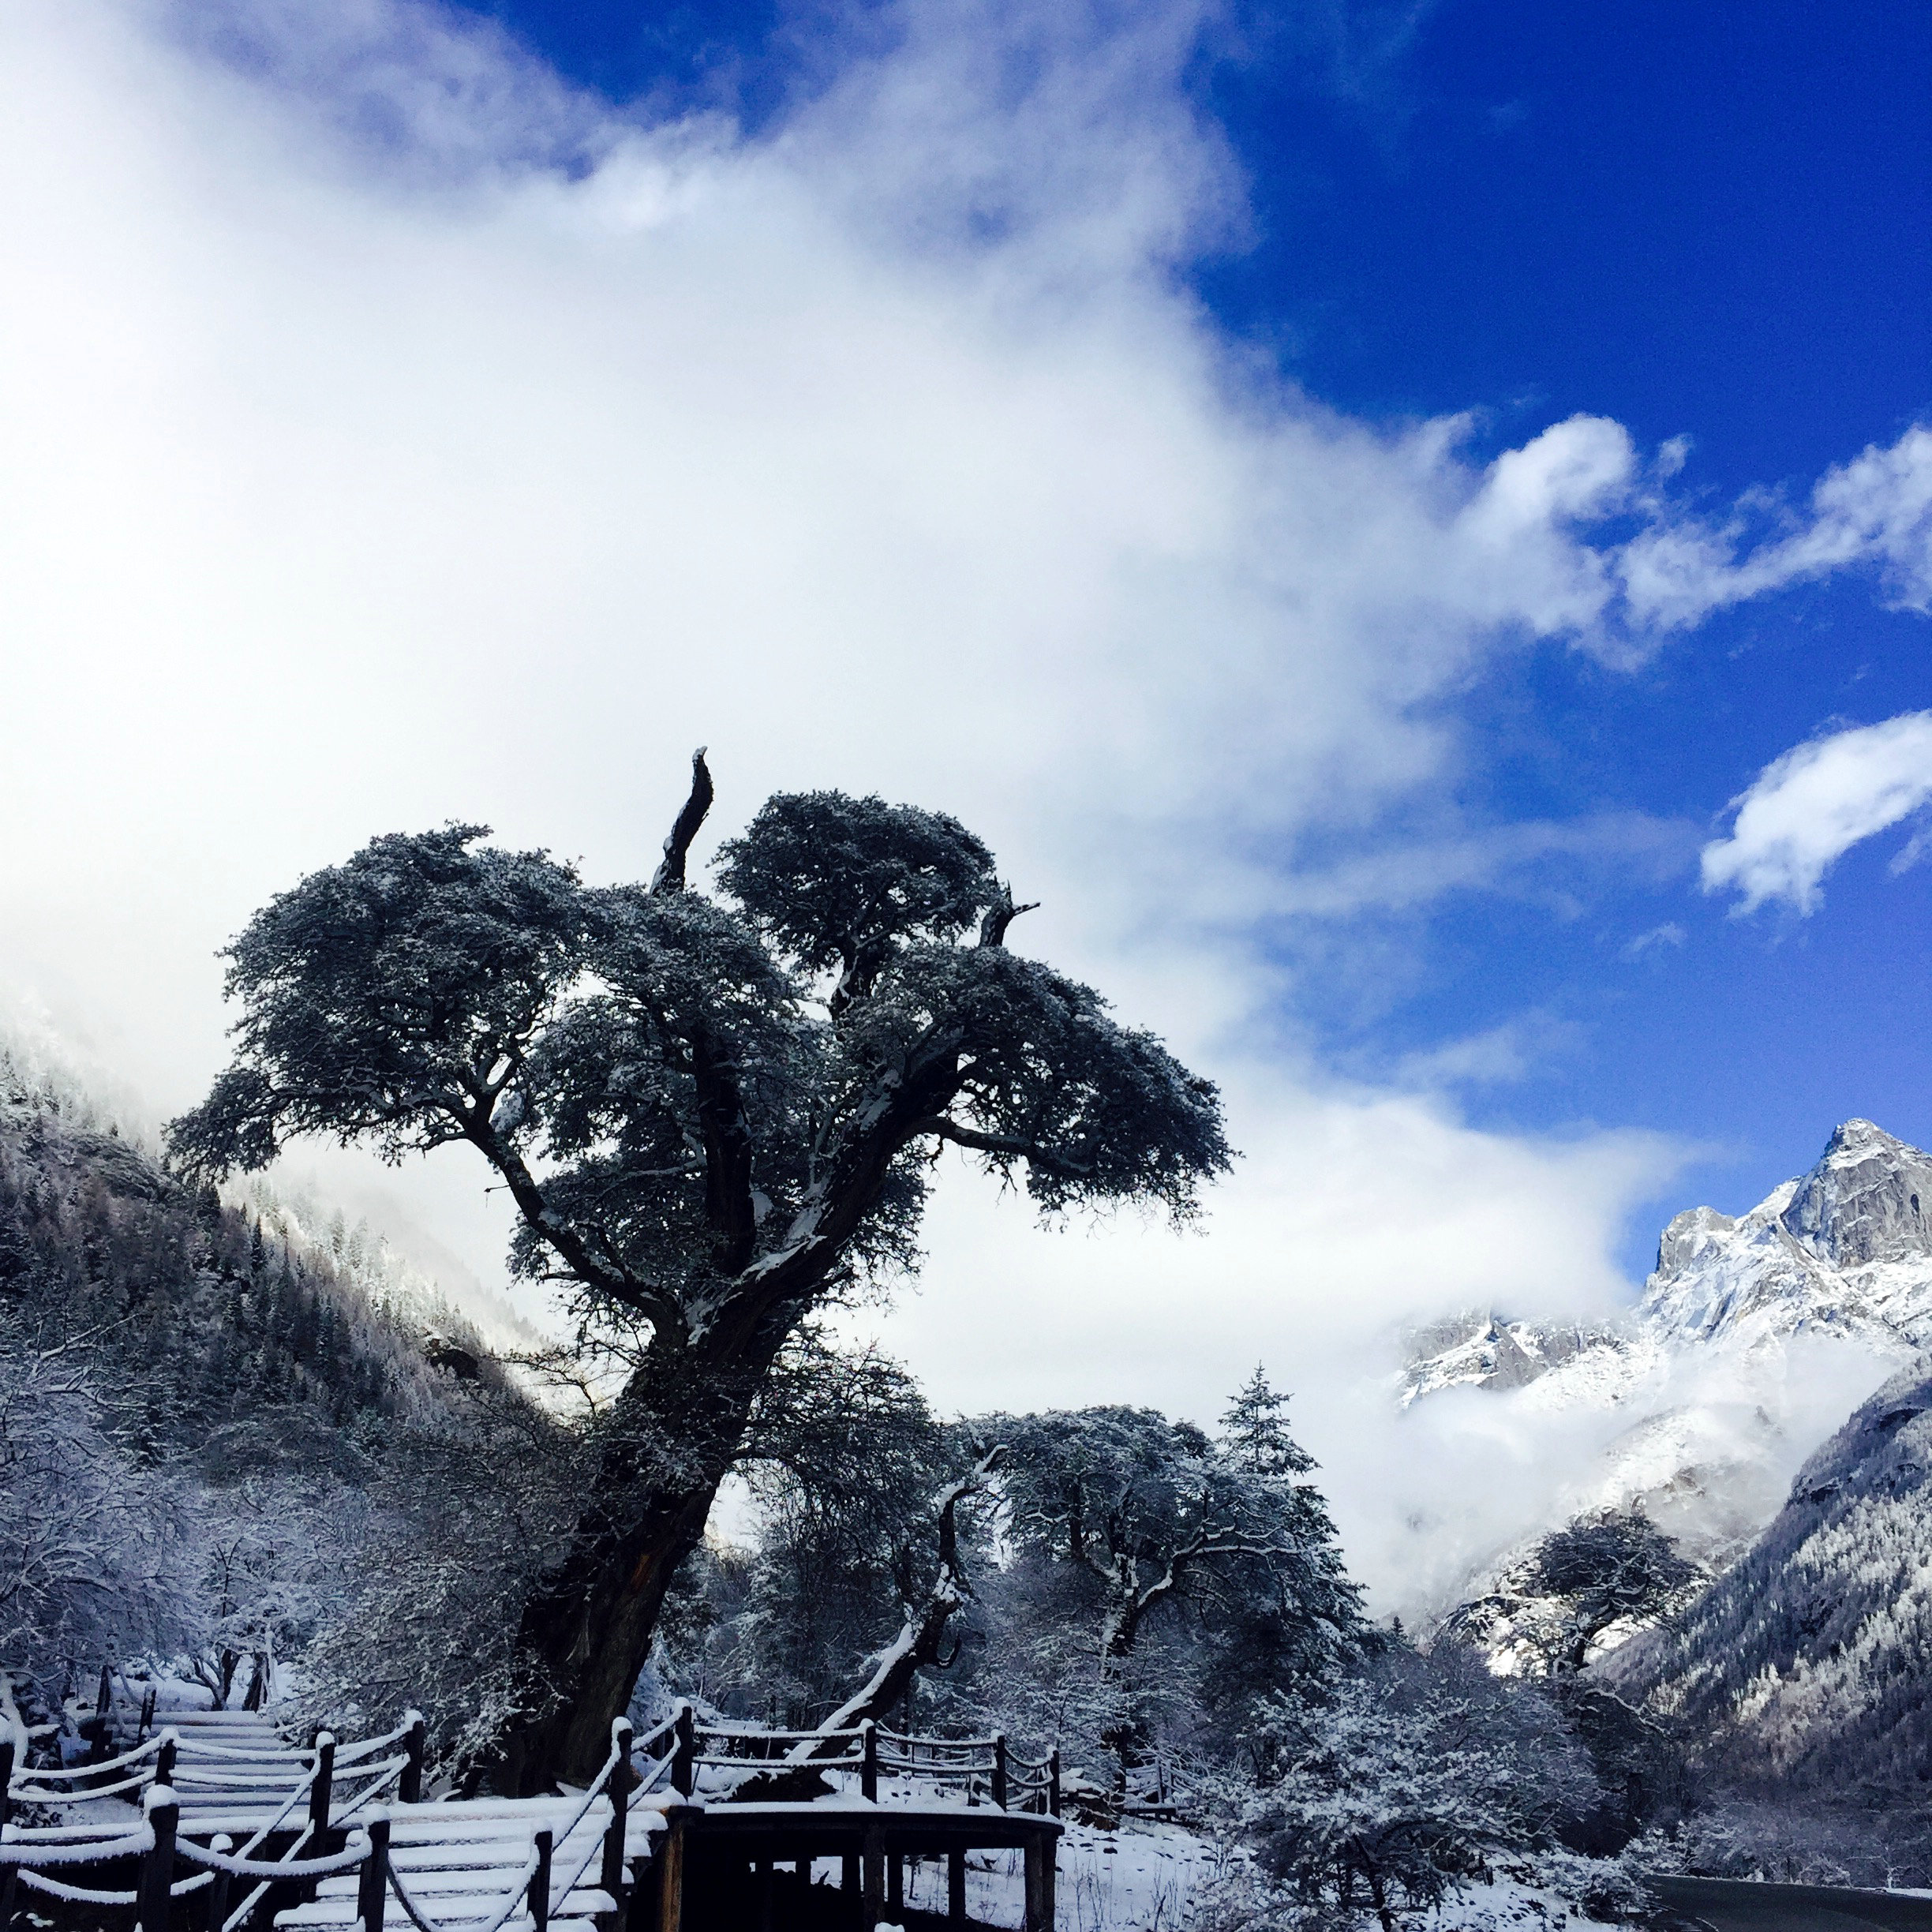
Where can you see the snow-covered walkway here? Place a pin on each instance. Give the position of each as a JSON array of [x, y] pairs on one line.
[[243, 1796]]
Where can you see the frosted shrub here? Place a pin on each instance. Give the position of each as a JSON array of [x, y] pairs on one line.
[[95, 1551], [1402, 1783]]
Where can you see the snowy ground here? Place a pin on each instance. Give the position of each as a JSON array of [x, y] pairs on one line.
[[1149, 1877], [1138, 1880]]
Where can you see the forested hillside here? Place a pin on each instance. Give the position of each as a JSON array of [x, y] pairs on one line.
[[1800, 1675], [206, 1418]]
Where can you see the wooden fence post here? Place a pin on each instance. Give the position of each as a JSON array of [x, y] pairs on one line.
[[410, 1790], [218, 1884], [157, 1871], [147, 1715], [999, 1769], [872, 1907], [1041, 1854], [372, 1880], [164, 1758], [955, 1890], [539, 1886], [611, 1876], [7, 1776], [683, 1765], [868, 1761], [319, 1791], [1052, 1782], [98, 1729], [669, 1863]]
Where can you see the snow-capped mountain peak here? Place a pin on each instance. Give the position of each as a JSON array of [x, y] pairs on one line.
[[1845, 1248], [1862, 1202]]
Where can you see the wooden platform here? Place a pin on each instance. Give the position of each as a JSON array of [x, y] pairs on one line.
[[721, 1867]]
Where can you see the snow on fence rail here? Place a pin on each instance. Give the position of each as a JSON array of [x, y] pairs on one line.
[[976, 1766], [156, 1780], [1012, 1782]]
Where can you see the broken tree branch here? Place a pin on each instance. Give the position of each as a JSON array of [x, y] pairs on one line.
[[669, 877]]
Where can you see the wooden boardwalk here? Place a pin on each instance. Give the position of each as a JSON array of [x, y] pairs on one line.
[[218, 1803], [687, 1829]]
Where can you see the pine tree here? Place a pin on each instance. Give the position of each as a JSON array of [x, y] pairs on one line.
[[1254, 1433]]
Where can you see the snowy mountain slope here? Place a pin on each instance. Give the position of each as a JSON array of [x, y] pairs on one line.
[[1807, 1662], [1844, 1250], [112, 1138], [1753, 1339]]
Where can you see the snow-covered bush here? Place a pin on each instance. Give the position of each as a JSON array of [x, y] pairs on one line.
[[1856, 1838], [1387, 1792], [465, 1513], [273, 1549], [1611, 1891], [97, 1553]]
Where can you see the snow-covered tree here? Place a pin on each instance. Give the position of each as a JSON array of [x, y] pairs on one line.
[[193, 1407], [841, 1459], [1614, 1567], [711, 1114], [1254, 1433], [1157, 1579], [1155, 1513], [97, 1552], [271, 1549], [466, 1507]]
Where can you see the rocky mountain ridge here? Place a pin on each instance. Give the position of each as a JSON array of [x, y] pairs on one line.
[[1753, 1338], [1844, 1250]]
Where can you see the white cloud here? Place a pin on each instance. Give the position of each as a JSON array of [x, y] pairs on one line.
[[1520, 860], [1806, 809], [1875, 511], [1669, 933], [1354, 1216], [392, 434], [1499, 1056]]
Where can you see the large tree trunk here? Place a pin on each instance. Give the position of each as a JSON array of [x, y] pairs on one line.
[[585, 1632]]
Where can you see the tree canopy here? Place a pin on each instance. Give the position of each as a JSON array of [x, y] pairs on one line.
[[687, 1095]]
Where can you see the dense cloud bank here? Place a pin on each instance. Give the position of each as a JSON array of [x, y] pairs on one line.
[[400, 435]]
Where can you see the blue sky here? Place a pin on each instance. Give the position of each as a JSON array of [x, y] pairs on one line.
[[1705, 222]]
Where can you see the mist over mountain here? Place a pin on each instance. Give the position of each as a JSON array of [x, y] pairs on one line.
[[1754, 1336], [1783, 1693]]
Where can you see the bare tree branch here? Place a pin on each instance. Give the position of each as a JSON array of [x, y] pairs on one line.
[[1001, 914]]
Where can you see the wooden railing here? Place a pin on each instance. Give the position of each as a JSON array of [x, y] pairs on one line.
[[150, 1774], [984, 1768]]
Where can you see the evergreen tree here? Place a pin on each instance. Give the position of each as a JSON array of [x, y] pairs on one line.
[[1254, 1432]]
